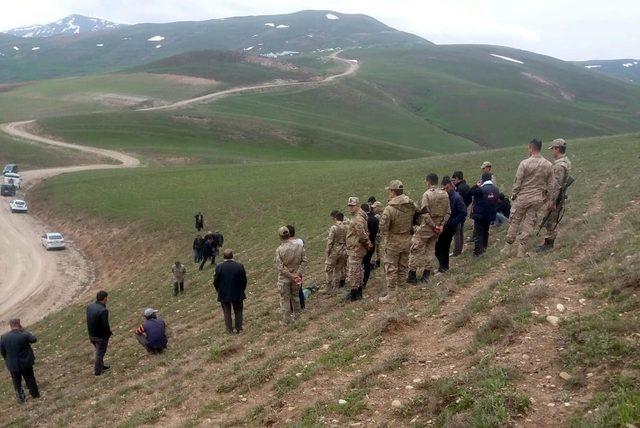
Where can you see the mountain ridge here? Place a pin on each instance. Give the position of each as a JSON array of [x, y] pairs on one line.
[[73, 24]]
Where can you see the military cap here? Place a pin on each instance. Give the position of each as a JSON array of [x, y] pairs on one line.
[[376, 204], [353, 201], [558, 142], [283, 232], [485, 164], [395, 185]]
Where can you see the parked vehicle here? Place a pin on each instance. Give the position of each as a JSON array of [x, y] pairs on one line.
[[18, 206], [12, 167], [7, 190], [53, 240], [12, 178]]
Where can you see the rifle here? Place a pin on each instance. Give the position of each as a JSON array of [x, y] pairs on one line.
[[560, 202]]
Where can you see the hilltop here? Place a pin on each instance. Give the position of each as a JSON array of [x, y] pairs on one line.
[[72, 24], [128, 46]]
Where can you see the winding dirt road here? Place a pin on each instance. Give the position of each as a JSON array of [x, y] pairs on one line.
[[35, 282], [352, 67]]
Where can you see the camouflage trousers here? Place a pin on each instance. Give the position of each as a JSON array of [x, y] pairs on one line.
[[522, 220], [289, 300], [355, 270], [396, 260], [423, 251], [335, 269], [550, 225]]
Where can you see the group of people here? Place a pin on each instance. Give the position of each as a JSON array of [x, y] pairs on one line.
[[404, 235], [415, 239]]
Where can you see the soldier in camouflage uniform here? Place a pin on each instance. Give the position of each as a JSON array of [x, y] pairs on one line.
[[396, 223], [336, 252], [532, 190], [357, 246], [561, 168], [290, 261], [434, 213]]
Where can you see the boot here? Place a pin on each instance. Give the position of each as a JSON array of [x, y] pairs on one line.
[[353, 295], [412, 278], [548, 245], [21, 397], [341, 284], [425, 276], [522, 251], [387, 298], [359, 292]]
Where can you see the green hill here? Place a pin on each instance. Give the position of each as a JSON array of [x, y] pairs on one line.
[[462, 342], [128, 46]]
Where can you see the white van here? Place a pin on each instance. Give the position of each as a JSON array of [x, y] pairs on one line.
[[12, 178]]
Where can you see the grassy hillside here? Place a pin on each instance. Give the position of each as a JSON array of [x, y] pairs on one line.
[[496, 102], [31, 156], [229, 67], [459, 345], [338, 121], [129, 46], [109, 92]]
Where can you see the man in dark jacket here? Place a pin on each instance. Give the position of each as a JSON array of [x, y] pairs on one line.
[[216, 243], [15, 347], [463, 190], [230, 282], [99, 330], [372, 227], [485, 202], [152, 333], [458, 215], [207, 250], [199, 221]]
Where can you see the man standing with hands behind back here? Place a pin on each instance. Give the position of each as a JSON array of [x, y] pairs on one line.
[[15, 347], [99, 330], [230, 282]]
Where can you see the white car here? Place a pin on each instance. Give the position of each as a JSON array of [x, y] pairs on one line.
[[53, 240], [18, 206], [12, 178]]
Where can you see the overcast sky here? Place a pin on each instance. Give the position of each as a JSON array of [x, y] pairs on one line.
[[567, 29]]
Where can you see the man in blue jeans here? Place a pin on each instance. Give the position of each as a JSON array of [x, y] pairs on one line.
[[99, 330]]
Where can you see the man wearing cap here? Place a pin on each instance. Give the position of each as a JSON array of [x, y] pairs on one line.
[[396, 223], [357, 246], [15, 347], [152, 333], [463, 189], [336, 252], [561, 168], [179, 272], [485, 200], [290, 261], [532, 189], [434, 213], [485, 168]]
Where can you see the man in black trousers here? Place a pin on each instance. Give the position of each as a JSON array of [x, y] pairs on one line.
[[373, 224], [99, 330], [485, 203], [15, 347], [230, 282], [458, 215]]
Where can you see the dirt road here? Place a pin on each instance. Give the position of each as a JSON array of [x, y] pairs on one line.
[[35, 282], [352, 65]]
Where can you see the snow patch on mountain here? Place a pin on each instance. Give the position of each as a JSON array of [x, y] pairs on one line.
[[155, 39], [282, 26], [506, 58], [72, 24], [270, 24], [593, 66], [331, 16], [627, 64]]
